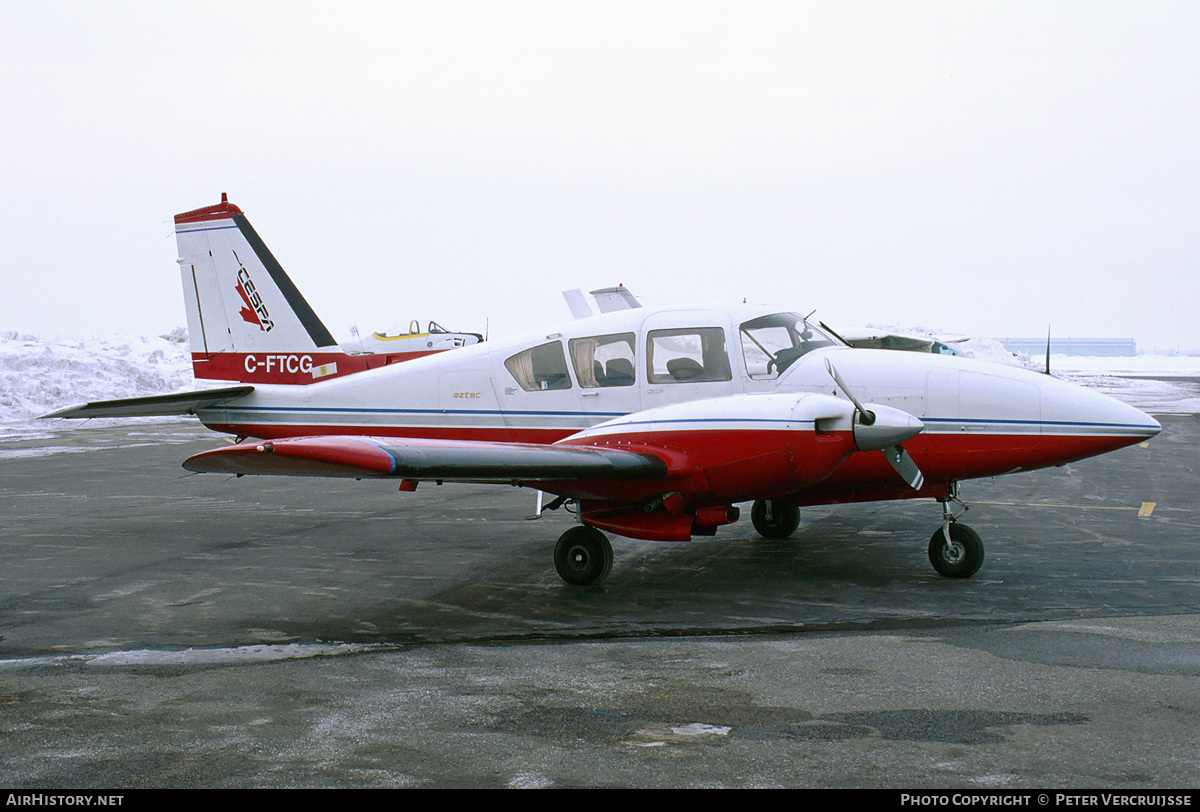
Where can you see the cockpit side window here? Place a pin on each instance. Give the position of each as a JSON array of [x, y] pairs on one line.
[[540, 368], [603, 361], [687, 355], [771, 344]]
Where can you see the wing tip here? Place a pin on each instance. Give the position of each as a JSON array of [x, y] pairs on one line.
[[65, 411], [337, 456]]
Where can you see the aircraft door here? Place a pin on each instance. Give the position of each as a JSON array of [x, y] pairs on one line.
[[606, 368], [538, 397]]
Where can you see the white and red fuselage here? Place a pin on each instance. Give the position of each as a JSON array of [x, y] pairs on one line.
[[740, 430], [655, 422]]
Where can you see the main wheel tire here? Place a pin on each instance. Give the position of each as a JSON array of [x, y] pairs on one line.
[[782, 521], [962, 557], [583, 556]]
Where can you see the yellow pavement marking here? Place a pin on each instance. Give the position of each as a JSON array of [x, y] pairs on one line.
[[1143, 511]]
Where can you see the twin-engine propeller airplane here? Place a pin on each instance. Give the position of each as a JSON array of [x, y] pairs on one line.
[[653, 423]]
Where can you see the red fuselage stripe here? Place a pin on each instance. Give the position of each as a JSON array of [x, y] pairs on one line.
[[291, 367]]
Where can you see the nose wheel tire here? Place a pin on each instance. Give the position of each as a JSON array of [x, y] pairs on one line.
[[583, 556], [773, 519], [962, 557]]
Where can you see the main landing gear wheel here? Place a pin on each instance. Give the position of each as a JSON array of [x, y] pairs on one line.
[[773, 519], [583, 556], [962, 557]]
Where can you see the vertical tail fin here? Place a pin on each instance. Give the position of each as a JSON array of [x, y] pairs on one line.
[[247, 321]]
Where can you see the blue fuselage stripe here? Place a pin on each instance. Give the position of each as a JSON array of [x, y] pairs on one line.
[[940, 421]]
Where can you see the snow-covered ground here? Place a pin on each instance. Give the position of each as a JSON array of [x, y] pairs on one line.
[[1157, 384], [40, 375]]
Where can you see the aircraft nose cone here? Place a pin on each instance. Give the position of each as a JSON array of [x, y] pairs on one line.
[[1106, 412], [1088, 422], [890, 428], [1151, 428]]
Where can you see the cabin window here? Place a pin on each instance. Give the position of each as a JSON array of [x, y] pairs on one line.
[[540, 368], [602, 361], [773, 343], [688, 355]]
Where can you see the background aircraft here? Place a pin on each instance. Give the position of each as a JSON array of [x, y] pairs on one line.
[[434, 338], [873, 338], [651, 423]]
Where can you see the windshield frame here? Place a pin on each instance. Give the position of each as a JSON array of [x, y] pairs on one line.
[[772, 343]]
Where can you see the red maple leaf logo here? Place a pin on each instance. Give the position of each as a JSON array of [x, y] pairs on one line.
[[247, 312]]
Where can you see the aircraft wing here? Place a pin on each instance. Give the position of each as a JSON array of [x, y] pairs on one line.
[[871, 338], [176, 403], [418, 459]]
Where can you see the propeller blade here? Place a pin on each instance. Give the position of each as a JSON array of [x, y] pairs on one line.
[[866, 416], [894, 427], [898, 458]]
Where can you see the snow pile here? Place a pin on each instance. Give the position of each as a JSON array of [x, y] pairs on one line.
[[989, 349], [984, 349], [39, 376]]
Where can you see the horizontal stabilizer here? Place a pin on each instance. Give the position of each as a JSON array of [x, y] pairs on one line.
[[176, 403], [443, 460]]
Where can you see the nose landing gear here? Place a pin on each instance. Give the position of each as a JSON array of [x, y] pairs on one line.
[[955, 550]]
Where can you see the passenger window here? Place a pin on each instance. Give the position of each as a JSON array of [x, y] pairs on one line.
[[541, 367], [603, 360], [688, 355]]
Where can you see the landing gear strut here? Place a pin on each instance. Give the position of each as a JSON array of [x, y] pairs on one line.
[[955, 550], [773, 519], [583, 556]]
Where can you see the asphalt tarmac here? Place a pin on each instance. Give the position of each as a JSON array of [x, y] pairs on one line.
[[160, 629]]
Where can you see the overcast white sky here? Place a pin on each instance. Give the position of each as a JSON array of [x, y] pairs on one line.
[[982, 168]]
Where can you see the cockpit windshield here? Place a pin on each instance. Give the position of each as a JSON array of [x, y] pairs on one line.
[[773, 343]]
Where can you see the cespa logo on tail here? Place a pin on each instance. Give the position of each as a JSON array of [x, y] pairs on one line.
[[255, 312]]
